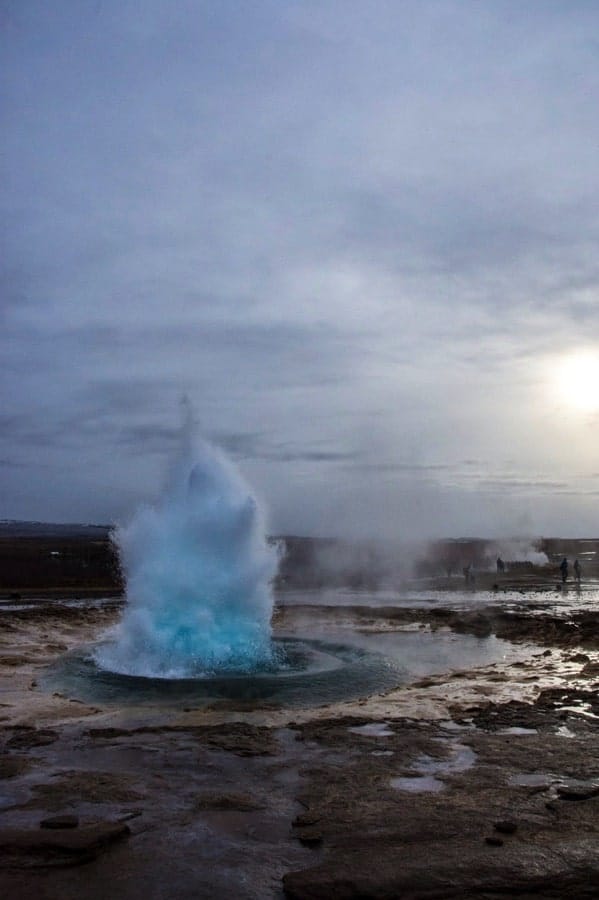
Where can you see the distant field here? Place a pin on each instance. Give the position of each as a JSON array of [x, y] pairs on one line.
[[48, 565], [46, 559]]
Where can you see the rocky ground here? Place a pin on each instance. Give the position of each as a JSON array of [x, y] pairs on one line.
[[477, 783]]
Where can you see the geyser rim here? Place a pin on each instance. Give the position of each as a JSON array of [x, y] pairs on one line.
[[346, 653], [364, 672]]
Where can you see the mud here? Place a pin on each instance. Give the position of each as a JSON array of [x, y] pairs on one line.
[[476, 783]]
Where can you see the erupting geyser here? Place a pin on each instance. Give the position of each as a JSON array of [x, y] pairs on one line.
[[198, 570]]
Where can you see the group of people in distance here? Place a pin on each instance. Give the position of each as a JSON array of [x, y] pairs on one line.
[[563, 567]]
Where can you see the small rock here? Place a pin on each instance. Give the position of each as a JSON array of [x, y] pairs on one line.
[[309, 836], [307, 818], [506, 826], [65, 821], [131, 814], [494, 841], [26, 848]]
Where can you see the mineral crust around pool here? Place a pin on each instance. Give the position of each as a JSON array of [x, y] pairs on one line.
[[257, 800]]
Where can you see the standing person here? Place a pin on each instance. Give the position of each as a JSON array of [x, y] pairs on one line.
[[500, 566], [563, 567], [577, 570]]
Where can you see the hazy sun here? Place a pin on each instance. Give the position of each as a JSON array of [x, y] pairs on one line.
[[578, 381]]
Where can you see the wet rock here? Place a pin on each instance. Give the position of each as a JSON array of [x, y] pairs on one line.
[[307, 818], [131, 814], [65, 821], [493, 841], [25, 737], [12, 662], [110, 733], [10, 766], [241, 739], [237, 802], [577, 790], [84, 787], [23, 848], [457, 869], [310, 837]]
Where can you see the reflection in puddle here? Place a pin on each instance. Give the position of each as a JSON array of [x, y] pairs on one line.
[[425, 653], [516, 729], [418, 784], [461, 759], [373, 729], [533, 779]]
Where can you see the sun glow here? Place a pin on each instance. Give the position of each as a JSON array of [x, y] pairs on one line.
[[578, 381]]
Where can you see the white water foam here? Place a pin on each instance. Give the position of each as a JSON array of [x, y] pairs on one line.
[[198, 570]]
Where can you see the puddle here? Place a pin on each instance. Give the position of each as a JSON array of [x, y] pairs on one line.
[[373, 729], [533, 779], [516, 729], [461, 759], [427, 767], [418, 784], [424, 653]]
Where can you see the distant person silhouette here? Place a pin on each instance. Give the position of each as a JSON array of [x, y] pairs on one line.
[[468, 574], [500, 565], [577, 570], [563, 567]]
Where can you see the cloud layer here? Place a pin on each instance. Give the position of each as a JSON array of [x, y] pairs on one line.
[[360, 237]]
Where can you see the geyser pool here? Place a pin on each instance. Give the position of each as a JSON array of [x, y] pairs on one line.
[[198, 571], [305, 672], [339, 664]]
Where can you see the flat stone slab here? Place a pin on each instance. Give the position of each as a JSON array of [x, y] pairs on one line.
[[65, 821], [25, 737], [28, 848], [577, 790], [389, 869]]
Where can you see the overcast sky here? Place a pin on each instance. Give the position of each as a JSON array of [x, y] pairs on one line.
[[361, 236]]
